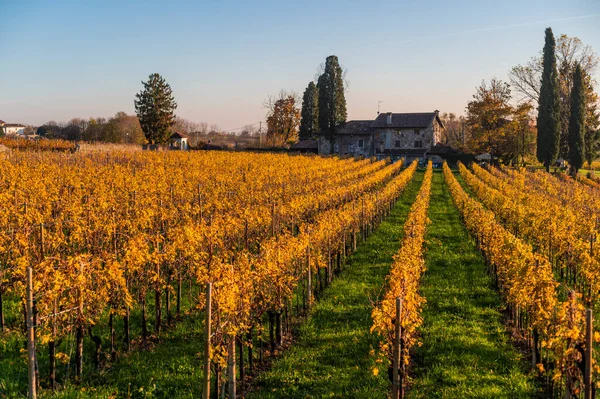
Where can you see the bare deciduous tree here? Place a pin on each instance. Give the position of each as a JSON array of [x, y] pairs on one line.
[[454, 133], [526, 79], [214, 129]]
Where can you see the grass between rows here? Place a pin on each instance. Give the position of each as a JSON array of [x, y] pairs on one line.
[[172, 368], [331, 358], [138, 374], [465, 352]]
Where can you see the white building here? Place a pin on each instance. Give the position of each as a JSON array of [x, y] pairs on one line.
[[179, 141], [12, 129]]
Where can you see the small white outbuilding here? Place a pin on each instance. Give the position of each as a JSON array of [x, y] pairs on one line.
[[179, 141]]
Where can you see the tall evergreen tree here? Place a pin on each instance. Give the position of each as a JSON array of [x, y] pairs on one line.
[[309, 125], [548, 121], [155, 107], [577, 122], [332, 100], [592, 120], [592, 140]]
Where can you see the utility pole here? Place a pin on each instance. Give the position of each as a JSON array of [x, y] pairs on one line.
[[260, 134]]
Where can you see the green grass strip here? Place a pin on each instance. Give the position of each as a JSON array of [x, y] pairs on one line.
[[331, 358], [465, 352], [172, 369]]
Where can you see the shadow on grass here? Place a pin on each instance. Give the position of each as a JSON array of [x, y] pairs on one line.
[[139, 374], [466, 352], [171, 369]]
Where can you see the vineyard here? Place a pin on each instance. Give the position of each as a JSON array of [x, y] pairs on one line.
[[38, 145], [283, 276]]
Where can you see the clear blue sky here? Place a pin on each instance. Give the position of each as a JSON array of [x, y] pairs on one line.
[[64, 59]]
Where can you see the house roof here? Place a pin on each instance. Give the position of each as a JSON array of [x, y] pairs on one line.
[[2, 122], [13, 125], [306, 145], [399, 121], [178, 135], [355, 127], [406, 120]]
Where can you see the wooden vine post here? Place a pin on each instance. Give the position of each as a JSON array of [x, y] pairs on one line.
[[397, 388], [589, 337], [241, 350], [31, 358], [231, 390], [362, 221], [377, 213], [207, 333], [79, 332], [52, 348], [1, 312], [308, 277]]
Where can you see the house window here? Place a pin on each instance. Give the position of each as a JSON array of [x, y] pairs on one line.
[[418, 144], [397, 144], [417, 132], [361, 143]]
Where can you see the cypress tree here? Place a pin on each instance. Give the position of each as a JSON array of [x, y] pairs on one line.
[[309, 125], [332, 100], [592, 120], [592, 138], [548, 121], [577, 123], [155, 107]]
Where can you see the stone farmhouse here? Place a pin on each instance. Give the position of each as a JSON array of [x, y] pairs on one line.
[[405, 136]]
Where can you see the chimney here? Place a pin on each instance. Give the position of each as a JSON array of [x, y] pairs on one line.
[[389, 118]]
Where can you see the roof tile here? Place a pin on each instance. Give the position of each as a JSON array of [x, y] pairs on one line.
[[406, 120], [355, 127]]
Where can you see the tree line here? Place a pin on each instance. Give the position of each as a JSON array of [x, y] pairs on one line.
[[153, 123], [121, 128], [549, 110], [322, 109]]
